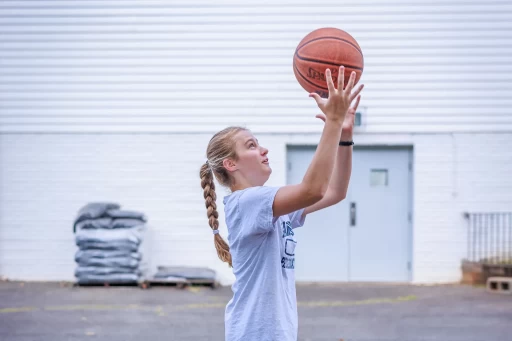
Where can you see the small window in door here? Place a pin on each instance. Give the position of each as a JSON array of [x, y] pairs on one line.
[[378, 177]]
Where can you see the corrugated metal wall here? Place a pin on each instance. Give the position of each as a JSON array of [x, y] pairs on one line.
[[197, 66]]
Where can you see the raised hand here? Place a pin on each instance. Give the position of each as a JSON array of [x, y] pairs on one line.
[[348, 122], [335, 107]]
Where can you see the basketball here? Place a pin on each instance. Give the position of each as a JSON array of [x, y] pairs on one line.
[[326, 48]]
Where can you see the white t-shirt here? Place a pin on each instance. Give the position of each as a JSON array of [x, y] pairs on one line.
[[264, 303]]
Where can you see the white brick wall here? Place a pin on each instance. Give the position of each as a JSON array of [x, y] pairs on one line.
[[437, 233], [454, 174], [46, 178]]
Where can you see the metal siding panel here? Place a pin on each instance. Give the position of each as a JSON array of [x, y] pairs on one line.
[[98, 66]]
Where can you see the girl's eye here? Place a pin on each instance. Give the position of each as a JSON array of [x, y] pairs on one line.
[[252, 145]]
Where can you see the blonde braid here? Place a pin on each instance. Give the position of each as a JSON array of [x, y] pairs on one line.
[[208, 186]]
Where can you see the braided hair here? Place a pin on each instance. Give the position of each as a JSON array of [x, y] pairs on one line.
[[220, 147]]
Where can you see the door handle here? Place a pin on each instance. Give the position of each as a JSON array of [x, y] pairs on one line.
[[352, 214]]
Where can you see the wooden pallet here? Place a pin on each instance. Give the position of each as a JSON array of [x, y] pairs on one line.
[[497, 270], [146, 284], [181, 282], [111, 284], [477, 273]]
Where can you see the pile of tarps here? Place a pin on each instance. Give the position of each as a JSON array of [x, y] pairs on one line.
[[110, 244]]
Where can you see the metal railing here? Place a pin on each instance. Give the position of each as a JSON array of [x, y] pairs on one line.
[[489, 237]]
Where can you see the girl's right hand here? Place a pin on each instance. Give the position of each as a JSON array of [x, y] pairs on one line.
[[335, 107]]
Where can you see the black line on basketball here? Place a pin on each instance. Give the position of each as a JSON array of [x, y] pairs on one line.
[[307, 80], [326, 62], [335, 38]]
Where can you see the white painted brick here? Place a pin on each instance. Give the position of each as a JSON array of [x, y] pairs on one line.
[[463, 180], [45, 179]]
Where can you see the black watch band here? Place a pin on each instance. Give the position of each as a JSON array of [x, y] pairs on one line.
[[346, 143]]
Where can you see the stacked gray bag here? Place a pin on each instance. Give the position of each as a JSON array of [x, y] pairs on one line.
[[109, 241]]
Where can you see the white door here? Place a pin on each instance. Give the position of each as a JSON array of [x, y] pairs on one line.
[[366, 237], [322, 243]]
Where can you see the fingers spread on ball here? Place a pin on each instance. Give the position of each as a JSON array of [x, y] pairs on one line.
[[330, 83], [321, 116], [351, 81], [316, 97], [357, 102], [356, 92], [341, 78]]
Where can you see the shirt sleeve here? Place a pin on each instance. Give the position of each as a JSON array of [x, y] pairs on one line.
[[255, 208], [296, 218]]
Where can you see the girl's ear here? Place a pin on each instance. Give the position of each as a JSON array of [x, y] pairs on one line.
[[229, 164]]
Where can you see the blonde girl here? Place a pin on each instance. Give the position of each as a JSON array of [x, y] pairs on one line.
[[261, 219]]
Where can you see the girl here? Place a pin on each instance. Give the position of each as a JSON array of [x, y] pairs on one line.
[[260, 219]]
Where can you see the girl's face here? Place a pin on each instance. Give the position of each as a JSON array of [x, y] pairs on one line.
[[252, 167]]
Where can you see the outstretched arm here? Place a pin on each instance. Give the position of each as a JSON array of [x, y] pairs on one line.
[[338, 186], [318, 176]]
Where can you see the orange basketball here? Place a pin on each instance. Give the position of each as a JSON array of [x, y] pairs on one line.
[[326, 48]]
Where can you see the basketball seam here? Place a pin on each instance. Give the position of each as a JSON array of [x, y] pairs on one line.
[[336, 38], [325, 62], [307, 80]]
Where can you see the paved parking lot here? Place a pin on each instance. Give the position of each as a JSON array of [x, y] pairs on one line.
[[356, 312]]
